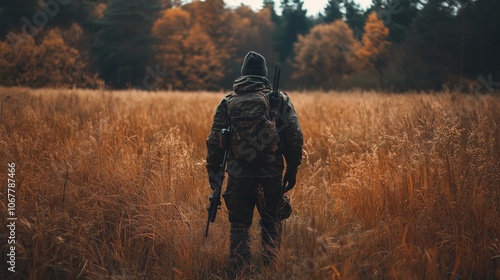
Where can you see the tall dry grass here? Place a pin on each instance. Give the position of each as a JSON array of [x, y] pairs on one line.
[[113, 185]]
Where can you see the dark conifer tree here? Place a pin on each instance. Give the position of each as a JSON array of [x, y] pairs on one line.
[[12, 12], [436, 40], [122, 47], [332, 11], [397, 15], [294, 23], [482, 23], [354, 18], [272, 6]]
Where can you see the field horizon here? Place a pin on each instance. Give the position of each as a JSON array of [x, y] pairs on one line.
[[112, 184]]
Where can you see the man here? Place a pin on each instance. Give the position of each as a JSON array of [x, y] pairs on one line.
[[255, 180]]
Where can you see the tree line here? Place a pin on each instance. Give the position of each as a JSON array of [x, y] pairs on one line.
[[199, 45]]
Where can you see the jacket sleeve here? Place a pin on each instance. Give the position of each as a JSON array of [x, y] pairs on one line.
[[214, 153], [291, 134]]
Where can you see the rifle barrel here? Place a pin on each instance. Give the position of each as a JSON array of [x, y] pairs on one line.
[[276, 81]]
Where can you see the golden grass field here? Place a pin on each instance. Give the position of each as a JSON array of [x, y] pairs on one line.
[[112, 185]]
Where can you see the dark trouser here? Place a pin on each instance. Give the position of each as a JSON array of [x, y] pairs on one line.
[[241, 197]]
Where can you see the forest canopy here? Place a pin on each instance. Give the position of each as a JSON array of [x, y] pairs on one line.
[[398, 45]]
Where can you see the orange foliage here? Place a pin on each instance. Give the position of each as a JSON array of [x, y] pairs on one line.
[[186, 52], [52, 63], [252, 31], [374, 44], [216, 23], [324, 54]]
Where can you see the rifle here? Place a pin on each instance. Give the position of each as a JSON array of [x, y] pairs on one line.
[[215, 197], [274, 98], [274, 101]]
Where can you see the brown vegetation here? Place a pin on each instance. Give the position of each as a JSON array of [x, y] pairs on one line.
[[58, 59], [113, 184]]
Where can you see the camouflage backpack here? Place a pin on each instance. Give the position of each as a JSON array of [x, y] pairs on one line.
[[253, 127]]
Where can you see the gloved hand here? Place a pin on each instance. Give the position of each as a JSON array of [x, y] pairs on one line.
[[289, 179]]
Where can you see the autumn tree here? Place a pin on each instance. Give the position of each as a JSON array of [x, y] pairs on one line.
[[324, 55], [253, 31], [215, 20], [52, 63], [212, 15], [185, 52], [250, 31], [374, 45]]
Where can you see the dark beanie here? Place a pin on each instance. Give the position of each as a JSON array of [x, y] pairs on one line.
[[254, 64]]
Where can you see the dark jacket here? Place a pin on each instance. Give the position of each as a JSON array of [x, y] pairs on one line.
[[287, 123]]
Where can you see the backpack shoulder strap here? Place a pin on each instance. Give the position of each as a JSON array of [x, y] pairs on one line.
[[229, 97]]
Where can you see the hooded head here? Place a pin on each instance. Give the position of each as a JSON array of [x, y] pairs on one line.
[[254, 64]]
